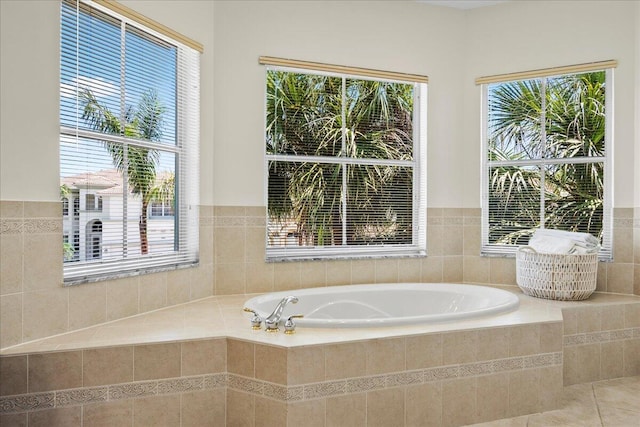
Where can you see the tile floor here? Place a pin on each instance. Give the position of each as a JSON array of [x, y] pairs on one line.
[[612, 403]]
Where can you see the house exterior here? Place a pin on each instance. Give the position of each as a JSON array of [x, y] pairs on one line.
[[92, 212]]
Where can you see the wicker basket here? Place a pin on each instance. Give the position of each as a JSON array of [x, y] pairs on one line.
[[554, 276]]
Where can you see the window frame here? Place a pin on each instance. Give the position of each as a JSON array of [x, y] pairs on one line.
[[185, 149], [492, 249], [418, 247]]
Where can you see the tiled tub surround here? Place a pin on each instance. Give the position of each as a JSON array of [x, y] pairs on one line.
[[33, 303], [202, 358]]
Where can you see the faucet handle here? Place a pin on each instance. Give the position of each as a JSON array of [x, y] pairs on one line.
[[290, 326], [256, 320]]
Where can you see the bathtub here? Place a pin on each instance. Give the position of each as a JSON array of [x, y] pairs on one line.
[[387, 304]]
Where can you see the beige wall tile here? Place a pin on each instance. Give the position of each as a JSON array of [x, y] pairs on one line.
[[345, 360], [385, 407], [524, 340], [620, 278], [476, 269], [55, 371], [551, 388], [270, 412], [502, 271], [623, 245], [108, 414], [204, 356], [57, 417], [305, 365], [309, 414], [612, 318], [10, 320], [632, 315], [240, 409], [612, 360], [230, 279], [13, 372], [11, 209], [386, 270], [631, 349], [409, 270], [156, 361], [452, 269], [423, 351], [493, 343], [87, 305], [122, 298], [313, 274], [42, 266], [203, 281], [459, 347], [385, 355], [551, 337], [104, 366], [156, 411], [260, 277], [42, 209], [240, 358], [423, 405], [435, 240], [231, 211], [569, 321], [524, 388], [206, 242], [459, 405], [570, 369], [153, 291], [349, 410], [11, 258], [471, 240], [205, 408], [492, 397], [286, 276], [452, 239], [255, 244], [588, 363], [178, 286], [338, 273], [363, 271], [45, 313], [432, 269], [14, 420], [601, 278], [229, 243], [271, 363]]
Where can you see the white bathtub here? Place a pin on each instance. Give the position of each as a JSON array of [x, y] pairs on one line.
[[387, 304]]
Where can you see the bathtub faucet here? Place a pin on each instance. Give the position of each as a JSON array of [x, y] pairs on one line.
[[273, 320]]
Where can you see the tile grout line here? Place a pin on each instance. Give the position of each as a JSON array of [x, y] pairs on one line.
[[595, 400]]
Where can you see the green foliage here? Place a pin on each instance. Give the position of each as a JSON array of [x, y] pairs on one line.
[[570, 123]]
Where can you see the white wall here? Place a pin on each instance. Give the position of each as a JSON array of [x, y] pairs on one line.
[[637, 73]]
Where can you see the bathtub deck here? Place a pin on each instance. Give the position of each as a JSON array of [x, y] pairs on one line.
[[222, 317]]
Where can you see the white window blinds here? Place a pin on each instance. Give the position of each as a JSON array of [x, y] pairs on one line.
[[345, 158], [129, 137], [547, 143]]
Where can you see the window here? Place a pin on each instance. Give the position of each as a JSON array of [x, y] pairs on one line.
[[129, 116], [65, 207], [547, 155], [161, 209], [345, 163]]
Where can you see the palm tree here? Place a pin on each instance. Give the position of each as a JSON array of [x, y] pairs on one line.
[[137, 163], [305, 117], [574, 126]]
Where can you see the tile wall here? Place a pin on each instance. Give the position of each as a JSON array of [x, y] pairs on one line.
[[33, 303]]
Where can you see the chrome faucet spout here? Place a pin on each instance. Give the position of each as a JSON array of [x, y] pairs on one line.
[[274, 318]]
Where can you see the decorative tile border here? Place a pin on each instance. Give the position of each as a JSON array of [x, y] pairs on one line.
[[81, 396], [601, 336], [30, 225], [396, 379]]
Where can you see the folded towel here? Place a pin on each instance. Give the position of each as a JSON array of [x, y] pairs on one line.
[[563, 242]]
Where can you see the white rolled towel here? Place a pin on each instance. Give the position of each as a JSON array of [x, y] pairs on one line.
[[563, 242]]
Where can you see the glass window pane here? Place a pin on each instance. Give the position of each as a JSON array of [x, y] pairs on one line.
[[514, 120], [379, 119], [303, 114], [514, 204]]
